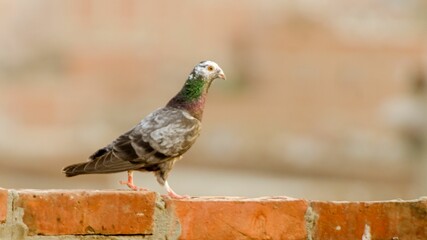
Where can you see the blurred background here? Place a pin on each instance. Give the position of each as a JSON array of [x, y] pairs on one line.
[[323, 99]]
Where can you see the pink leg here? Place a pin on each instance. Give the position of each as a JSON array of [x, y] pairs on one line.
[[130, 184], [172, 194]]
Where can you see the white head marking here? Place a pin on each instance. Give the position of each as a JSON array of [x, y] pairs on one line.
[[209, 70]]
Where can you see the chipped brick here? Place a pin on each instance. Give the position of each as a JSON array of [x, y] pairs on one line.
[[3, 205], [380, 220], [87, 212], [240, 219]]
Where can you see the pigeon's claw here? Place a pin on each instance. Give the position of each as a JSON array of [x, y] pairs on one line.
[[130, 184], [173, 194]]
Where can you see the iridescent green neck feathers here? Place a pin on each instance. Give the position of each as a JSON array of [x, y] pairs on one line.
[[193, 89], [192, 96]]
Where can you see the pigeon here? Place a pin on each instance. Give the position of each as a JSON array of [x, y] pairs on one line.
[[161, 138]]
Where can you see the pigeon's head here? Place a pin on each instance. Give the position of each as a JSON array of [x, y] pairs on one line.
[[208, 71]]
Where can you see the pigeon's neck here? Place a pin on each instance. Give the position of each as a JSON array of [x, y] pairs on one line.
[[192, 97]]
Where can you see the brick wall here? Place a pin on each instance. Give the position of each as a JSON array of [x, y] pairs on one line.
[[112, 214]]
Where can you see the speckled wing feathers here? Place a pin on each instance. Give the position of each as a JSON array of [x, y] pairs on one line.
[[169, 131], [161, 136]]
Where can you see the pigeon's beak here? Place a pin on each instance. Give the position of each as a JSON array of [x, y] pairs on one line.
[[221, 75]]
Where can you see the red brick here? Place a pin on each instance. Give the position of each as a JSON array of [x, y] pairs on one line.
[[3, 204], [385, 220], [240, 218], [87, 212]]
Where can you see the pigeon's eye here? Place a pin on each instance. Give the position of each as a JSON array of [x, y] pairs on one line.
[[210, 68]]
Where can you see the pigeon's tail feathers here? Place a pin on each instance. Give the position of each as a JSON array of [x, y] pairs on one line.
[[101, 162], [74, 170]]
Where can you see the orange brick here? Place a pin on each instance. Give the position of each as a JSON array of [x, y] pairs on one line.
[[380, 220], [240, 219], [63, 212], [3, 204]]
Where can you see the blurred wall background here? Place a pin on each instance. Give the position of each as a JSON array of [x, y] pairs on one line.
[[323, 99]]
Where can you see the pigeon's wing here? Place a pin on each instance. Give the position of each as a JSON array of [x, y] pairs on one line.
[[162, 135], [169, 131]]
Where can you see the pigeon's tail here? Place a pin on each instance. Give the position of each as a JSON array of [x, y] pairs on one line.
[[90, 167], [74, 170], [102, 161]]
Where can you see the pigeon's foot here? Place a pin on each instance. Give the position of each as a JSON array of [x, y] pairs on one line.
[[176, 196], [130, 184], [173, 194], [133, 187]]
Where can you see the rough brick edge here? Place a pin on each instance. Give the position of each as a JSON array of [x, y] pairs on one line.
[[71, 212], [370, 220], [3, 204], [240, 218]]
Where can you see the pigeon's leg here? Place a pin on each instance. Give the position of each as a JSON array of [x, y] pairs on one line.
[[130, 184], [162, 175], [173, 194]]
